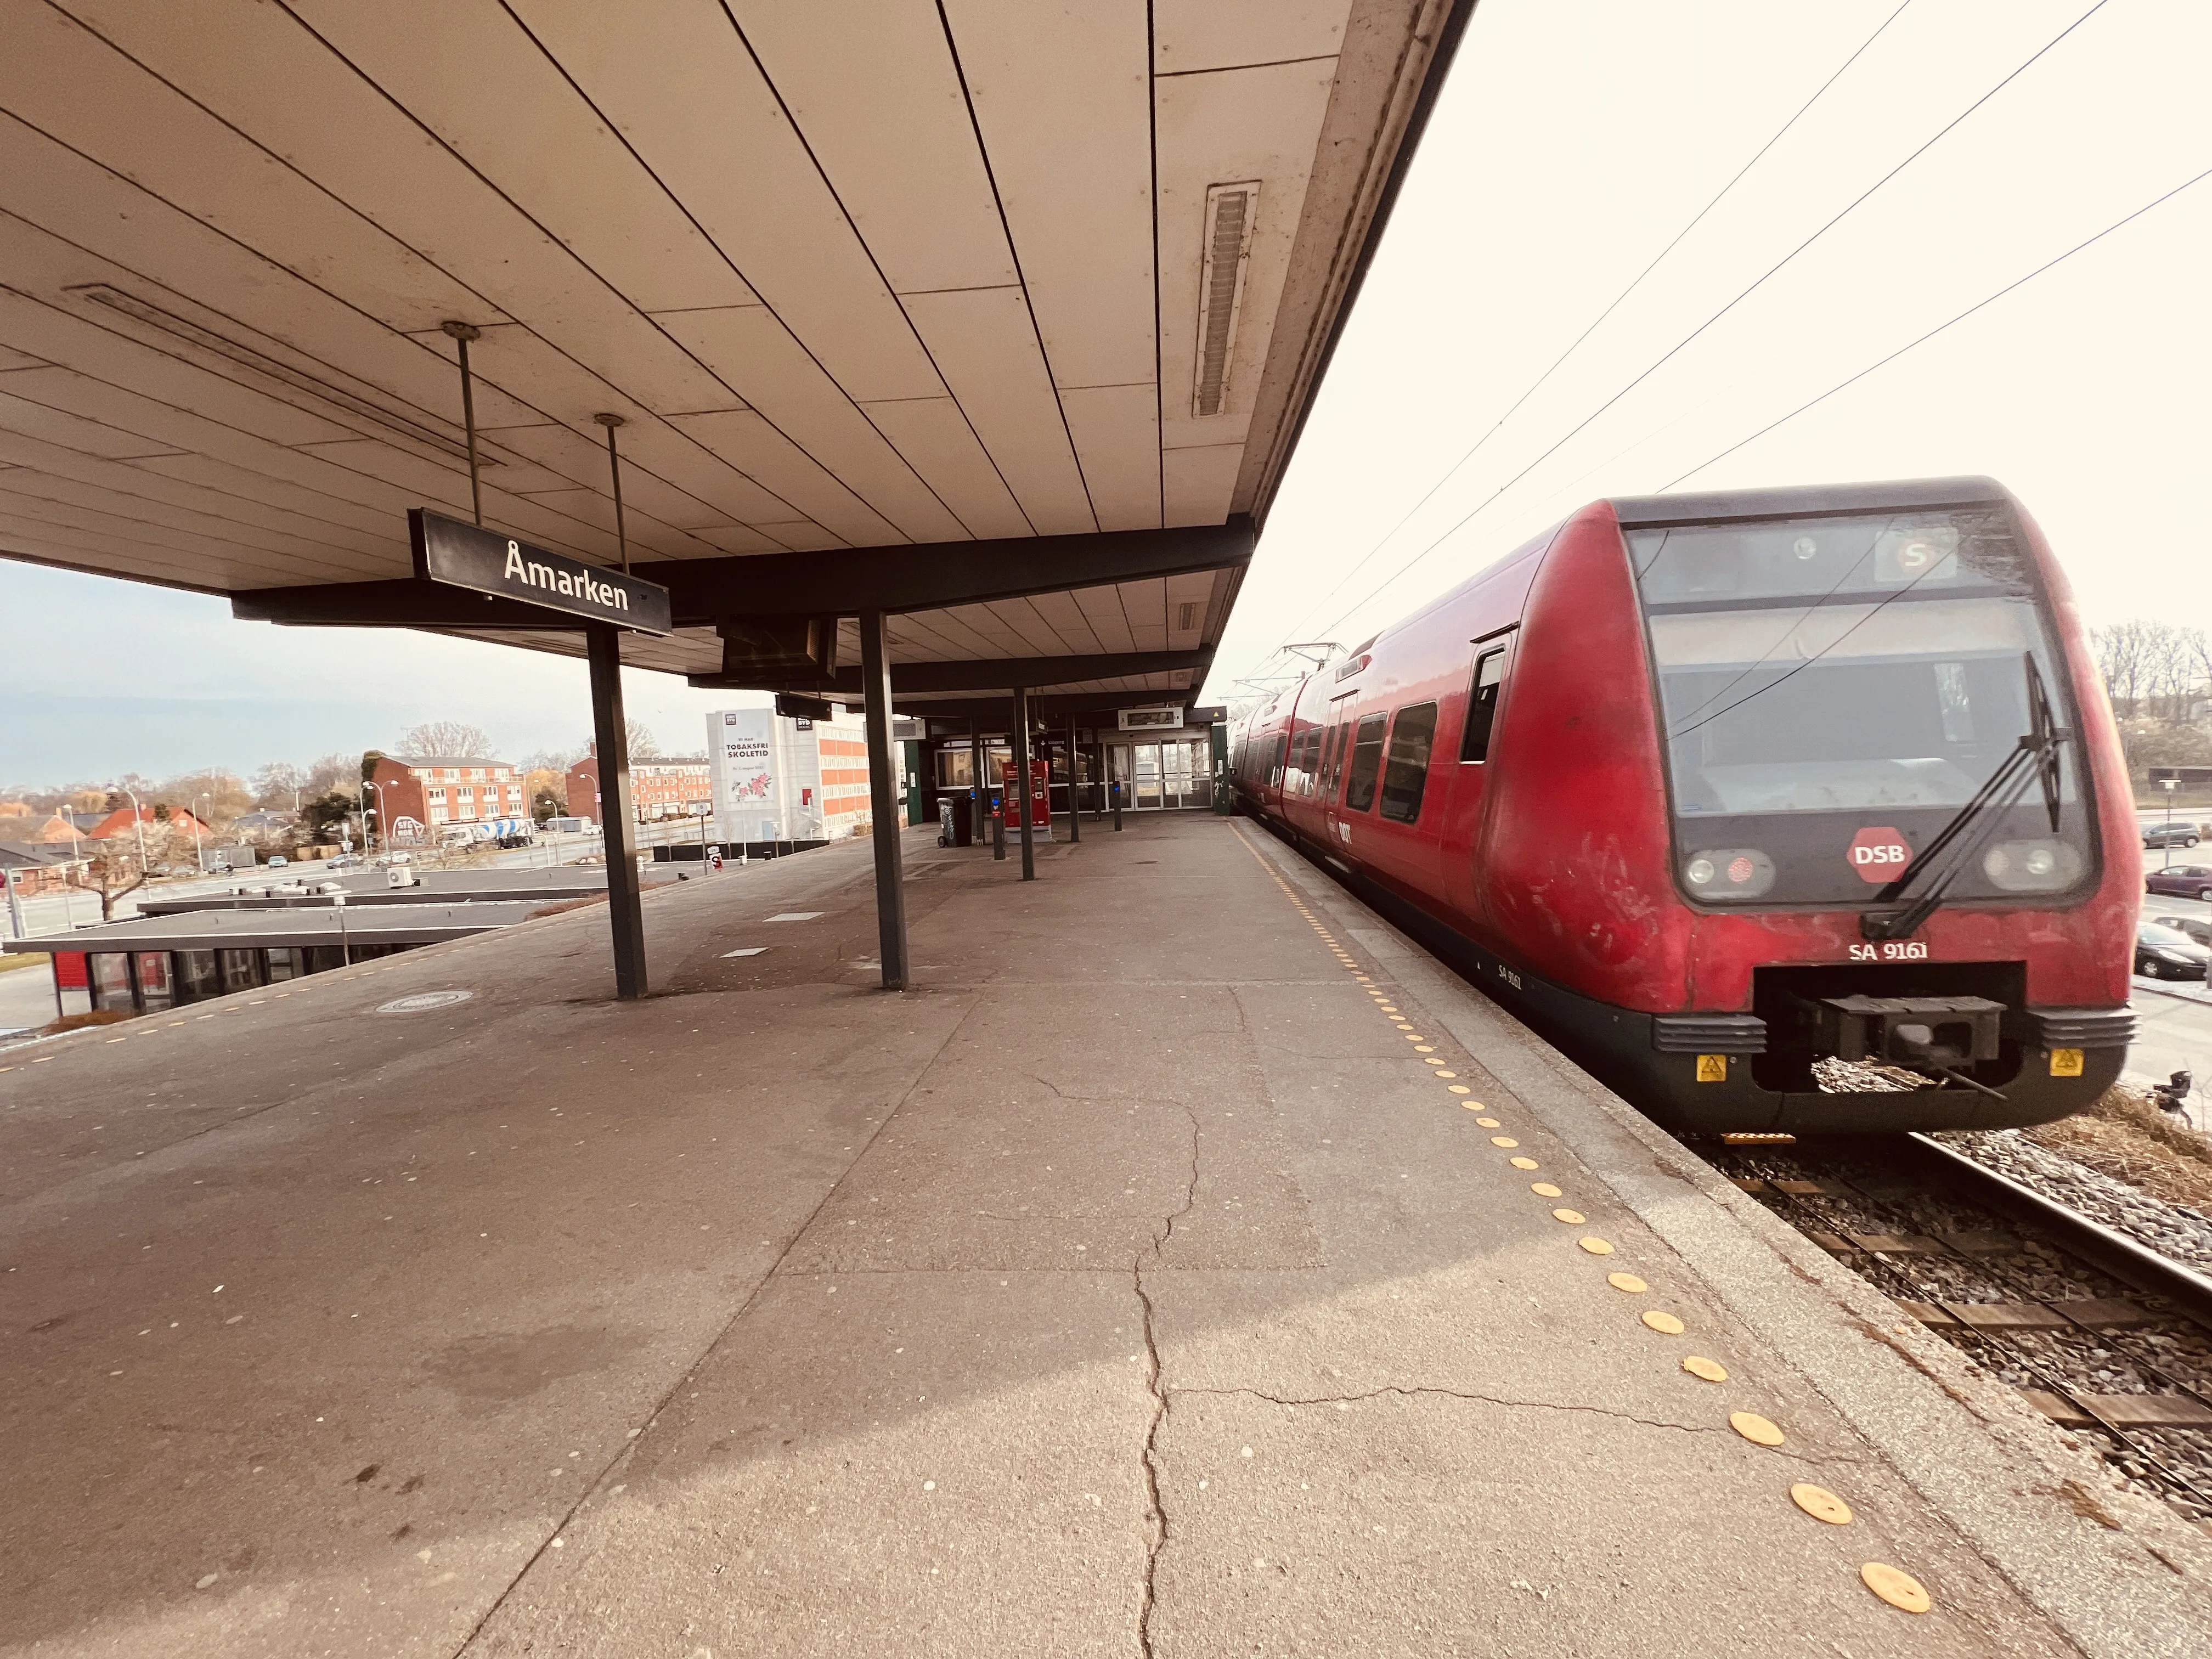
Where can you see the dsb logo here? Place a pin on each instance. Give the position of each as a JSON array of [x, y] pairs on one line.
[[1879, 854]]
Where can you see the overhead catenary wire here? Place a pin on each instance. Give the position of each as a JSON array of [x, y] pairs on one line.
[[1914, 344], [1680, 346], [1979, 305], [1539, 383]]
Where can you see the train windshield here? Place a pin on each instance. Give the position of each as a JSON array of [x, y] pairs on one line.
[[1834, 690]]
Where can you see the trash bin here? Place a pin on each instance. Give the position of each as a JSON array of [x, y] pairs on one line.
[[959, 814]]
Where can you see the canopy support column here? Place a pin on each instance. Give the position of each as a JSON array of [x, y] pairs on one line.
[[617, 817], [883, 803], [1022, 781], [1074, 790]]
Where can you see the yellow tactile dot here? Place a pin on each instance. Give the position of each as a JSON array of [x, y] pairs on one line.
[[1524, 1164], [1447, 1073], [1504, 1140], [1432, 1060], [1754, 1428], [1899, 1589], [1821, 1504], [1462, 1089], [1413, 1036], [1572, 1217], [1628, 1282], [1543, 1188], [1596, 1246], [1385, 1005], [1489, 1123], [1424, 1049], [1712, 1369], [1663, 1322]]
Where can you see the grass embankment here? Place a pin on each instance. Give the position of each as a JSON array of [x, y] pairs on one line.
[[2125, 1136]]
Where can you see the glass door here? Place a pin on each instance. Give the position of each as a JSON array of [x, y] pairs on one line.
[[1184, 779], [1148, 774]]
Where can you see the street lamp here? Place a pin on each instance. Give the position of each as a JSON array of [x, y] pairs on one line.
[[383, 819], [2170, 784], [199, 853], [138, 822]]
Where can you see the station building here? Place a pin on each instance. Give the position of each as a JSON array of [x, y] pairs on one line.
[[781, 777]]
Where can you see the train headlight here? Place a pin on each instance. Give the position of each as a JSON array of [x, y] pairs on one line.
[[1727, 873], [2033, 866]]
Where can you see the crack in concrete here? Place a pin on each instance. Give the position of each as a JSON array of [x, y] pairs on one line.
[[1156, 1511]]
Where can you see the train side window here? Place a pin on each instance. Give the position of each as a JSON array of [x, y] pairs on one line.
[[1482, 705], [1407, 769], [1282, 748], [1366, 764]]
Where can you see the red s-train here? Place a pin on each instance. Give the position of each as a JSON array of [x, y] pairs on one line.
[[1718, 791]]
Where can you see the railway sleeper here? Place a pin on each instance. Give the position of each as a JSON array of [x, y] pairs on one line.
[[2097, 1313], [2124, 1411], [1967, 1244]]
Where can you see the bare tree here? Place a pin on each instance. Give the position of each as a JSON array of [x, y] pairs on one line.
[[332, 771], [643, 745], [454, 737], [2121, 661], [278, 783], [226, 795]]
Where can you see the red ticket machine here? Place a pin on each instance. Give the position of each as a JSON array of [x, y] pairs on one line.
[[1037, 803]]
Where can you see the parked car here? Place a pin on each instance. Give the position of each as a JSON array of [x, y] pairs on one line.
[[343, 861], [2164, 952], [2196, 927], [277, 860], [2180, 881], [2169, 835]]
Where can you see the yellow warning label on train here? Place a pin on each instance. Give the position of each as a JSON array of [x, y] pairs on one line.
[[1713, 1068], [2065, 1062]]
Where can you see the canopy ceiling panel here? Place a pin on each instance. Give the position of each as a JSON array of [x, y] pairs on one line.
[[856, 276]]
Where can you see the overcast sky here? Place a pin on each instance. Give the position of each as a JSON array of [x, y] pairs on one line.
[[1575, 139]]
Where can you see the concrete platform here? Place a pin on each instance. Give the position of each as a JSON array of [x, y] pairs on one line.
[[1137, 1285]]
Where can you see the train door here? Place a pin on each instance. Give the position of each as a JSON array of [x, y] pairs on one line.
[[1336, 738], [1490, 660]]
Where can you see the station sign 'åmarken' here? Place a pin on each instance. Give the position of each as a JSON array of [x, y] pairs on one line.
[[463, 556]]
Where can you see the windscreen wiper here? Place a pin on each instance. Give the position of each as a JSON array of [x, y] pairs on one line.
[[2036, 756]]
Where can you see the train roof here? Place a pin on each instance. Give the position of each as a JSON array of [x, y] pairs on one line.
[[1805, 500]]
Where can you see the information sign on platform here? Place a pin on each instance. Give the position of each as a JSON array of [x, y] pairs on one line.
[[464, 556]]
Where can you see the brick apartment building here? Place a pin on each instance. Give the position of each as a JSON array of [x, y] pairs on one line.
[[436, 791], [661, 787]]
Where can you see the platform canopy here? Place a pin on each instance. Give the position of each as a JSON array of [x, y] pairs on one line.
[[1001, 316]]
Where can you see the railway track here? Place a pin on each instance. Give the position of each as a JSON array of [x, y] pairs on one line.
[[2109, 1339]]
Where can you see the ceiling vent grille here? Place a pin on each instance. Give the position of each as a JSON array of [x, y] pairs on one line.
[[1186, 616], [1230, 211]]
